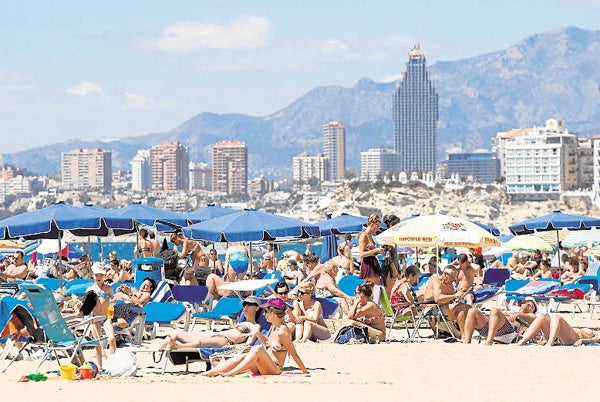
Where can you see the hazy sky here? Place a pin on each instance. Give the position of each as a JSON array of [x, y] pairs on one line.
[[108, 69]]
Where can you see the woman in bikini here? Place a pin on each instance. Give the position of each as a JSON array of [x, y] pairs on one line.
[[139, 297], [189, 248], [367, 251], [365, 313], [310, 324], [268, 358], [144, 246], [243, 332], [401, 298], [557, 329]]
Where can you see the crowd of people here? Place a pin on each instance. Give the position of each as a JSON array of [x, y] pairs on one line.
[[294, 311]]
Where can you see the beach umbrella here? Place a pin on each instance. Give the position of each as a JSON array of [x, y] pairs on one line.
[[555, 221], [208, 212], [579, 238], [329, 248], [250, 225], [342, 224], [438, 231], [527, 243], [162, 219], [492, 229]]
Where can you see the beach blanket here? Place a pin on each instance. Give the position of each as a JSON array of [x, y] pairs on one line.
[[536, 288]]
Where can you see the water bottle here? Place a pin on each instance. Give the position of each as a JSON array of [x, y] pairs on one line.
[[377, 338]]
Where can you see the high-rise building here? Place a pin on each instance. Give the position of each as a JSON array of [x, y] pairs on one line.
[[141, 172], [378, 161], [539, 163], [334, 149], [169, 167], [200, 176], [306, 167], [415, 116], [87, 169], [230, 167]]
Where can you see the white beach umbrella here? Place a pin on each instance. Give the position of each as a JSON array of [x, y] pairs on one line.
[[527, 243]]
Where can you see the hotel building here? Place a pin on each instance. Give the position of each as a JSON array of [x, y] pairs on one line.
[[334, 149], [230, 167], [86, 169]]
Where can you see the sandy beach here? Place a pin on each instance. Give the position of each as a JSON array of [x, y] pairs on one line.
[[428, 370]]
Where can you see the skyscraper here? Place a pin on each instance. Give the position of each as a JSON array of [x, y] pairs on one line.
[[169, 166], [141, 172], [415, 116], [334, 149], [230, 167]]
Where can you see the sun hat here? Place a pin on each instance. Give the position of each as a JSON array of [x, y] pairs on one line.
[[251, 300], [98, 268], [274, 302]]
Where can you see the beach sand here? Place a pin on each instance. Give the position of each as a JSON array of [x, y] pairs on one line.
[[429, 370]]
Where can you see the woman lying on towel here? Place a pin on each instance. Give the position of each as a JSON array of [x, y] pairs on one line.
[[557, 329], [268, 358], [244, 332]]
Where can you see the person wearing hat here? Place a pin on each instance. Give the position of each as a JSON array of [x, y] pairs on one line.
[[267, 263], [243, 332], [292, 274], [268, 358], [310, 324], [499, 327]]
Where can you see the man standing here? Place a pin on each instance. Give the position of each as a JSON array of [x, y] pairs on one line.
[[466, 277]]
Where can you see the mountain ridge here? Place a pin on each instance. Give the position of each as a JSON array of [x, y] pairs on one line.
[[545, 75]]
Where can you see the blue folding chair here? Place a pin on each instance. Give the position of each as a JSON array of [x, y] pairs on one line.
[[148, 267], [226, 309]]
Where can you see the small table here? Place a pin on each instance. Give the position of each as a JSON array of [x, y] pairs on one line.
[[249, 285]]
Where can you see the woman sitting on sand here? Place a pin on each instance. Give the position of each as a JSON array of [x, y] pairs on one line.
[[243, 332], [365, 313], [310, 324], [558, 329], [268, 358]]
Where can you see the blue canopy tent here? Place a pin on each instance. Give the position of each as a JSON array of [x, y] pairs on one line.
[[250, 225], [208, 212], [555, 221]]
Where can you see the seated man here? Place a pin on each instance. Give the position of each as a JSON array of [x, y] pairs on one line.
[[440, 288], [16, 271], [498, 327]]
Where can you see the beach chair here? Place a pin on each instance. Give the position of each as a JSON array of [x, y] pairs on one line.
[[430, 311], [348, 284], [590, 300], [392, 317], [227, 309], [58, 336], [50, 283], [11, 308], [148, 267], [330, 308], [192, 296]]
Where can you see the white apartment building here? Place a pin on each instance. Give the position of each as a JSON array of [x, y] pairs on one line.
[[200, 176], [306, 167], [141, 173], [87, 169], [334, 149], [596, 167], [377, 161], [538, 163]]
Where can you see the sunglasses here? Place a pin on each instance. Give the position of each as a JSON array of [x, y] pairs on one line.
[[250, 304], [285, 292], [301, 293]]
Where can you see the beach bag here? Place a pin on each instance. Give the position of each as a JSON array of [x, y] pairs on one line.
[[170, 260], [201, 274], [369, 267], [351, 334], [122, 363]]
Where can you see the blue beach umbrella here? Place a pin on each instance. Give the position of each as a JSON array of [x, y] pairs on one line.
[[208, 212], [50, 222], [343, 224], [329, 248], [162, 219], [250, 225], [492, 229], [555, 221]]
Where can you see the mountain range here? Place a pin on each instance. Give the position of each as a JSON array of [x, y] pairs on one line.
[[548, 75]]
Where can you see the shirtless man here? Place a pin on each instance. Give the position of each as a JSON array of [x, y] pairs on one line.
[[466, 277], [498, 327], [17, 271], [155, 243], [441, 290]]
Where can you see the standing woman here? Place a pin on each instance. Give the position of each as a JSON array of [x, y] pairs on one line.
[[237, 262], [370, 269], [390, 268]]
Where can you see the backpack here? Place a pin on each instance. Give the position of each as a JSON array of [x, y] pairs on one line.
[[351, 334], [170, 259]]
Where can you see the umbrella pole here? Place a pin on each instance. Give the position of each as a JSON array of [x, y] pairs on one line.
[[60, 270], [251, 262], [558, 249]]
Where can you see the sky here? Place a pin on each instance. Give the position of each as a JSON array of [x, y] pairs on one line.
[[112, 69]]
